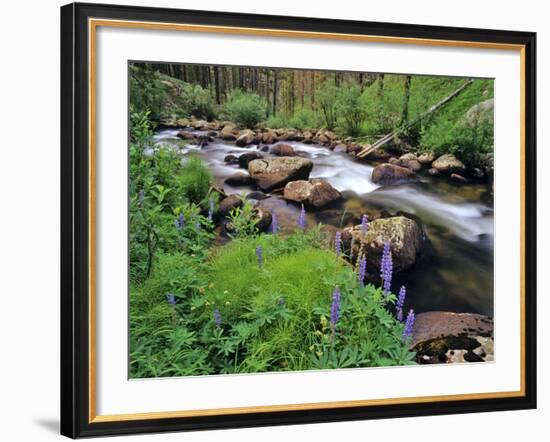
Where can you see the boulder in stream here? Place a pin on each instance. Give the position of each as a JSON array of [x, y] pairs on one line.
[[229, 203], [447, 337], [185, 135], [283, 150], [404, 235], [247, 157], [238, 179], [448, 163], [275, 173], [385, 174], [227, 133], [315, 193], [245, 138]]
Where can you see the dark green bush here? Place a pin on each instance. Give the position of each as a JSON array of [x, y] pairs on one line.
[[246, 109]]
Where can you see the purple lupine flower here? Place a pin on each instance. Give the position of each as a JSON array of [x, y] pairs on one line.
[[274, 223], [179, 222], [141, 198], [362, 271], [409, 324], [338, 243], [335, 309], [400, 303], [364, 224], [260, 255], [210, 208], [302, 219], [171, 299], [217, 318], [386, 267]]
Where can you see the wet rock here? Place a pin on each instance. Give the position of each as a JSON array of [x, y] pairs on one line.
[[203, 140], [316, 192], [227, 133], [230, 159], [385, 174], [247, 157], [308, 137], [199, 124], [404, 235], [410, 161], [458, 178], [238, 179], [340, 148], [448, 163], [283, 150], [229, 203], [437, 351], [274, 173], [256, 195], [185, 135], [433, 172], [426, 158], [245, 138], [212, 126], [438, 324], [269, 137], [264, 148]]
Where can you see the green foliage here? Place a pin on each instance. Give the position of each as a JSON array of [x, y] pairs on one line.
[[327, 95], [195, 179], [246, 109], [147, 93], [196, 101], [350, 109], [243, 220]]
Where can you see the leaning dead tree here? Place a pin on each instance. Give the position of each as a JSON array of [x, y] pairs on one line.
[[368, 150]]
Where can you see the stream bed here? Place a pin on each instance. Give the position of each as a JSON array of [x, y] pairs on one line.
[[455, 272]]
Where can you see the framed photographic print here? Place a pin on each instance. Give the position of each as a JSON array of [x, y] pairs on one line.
[[279, 220]]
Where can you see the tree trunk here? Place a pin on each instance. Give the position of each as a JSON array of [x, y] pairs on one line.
[[275, 92], [217, 83], [405, 114]]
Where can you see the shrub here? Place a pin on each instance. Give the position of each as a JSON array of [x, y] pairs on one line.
[[326, 96], [197, 101], [305, 118], [246, 109], [195, 179], [350, 109]]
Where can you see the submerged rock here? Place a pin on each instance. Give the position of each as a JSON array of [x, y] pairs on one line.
[[404, 235], [230, 159], [448, 163], [316, 192], [391, 174], [185, 135], [274, 173]]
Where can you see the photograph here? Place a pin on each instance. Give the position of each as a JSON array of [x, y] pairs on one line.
[[282, 220]]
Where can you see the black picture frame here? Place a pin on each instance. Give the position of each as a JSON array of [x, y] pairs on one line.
[[75, 220]]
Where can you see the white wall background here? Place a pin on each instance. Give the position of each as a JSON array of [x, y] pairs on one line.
[[29, 219]]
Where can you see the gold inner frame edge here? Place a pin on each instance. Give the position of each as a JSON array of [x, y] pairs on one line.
[[93, 24]]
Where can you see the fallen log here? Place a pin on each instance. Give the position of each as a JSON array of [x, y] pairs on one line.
[[368, 150]]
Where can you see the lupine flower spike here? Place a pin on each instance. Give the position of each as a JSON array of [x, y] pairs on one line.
[[338, 243], [409, 324], [210, 208], [179, 222], [141, 198], [302, 218], [260, 255], [335, 309], [364, 224], [386, 268], [362, 271], [400, 303], [171, 299], [274, 223], [217, 318]]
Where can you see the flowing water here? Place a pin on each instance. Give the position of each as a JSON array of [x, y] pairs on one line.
[[455, 272]]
